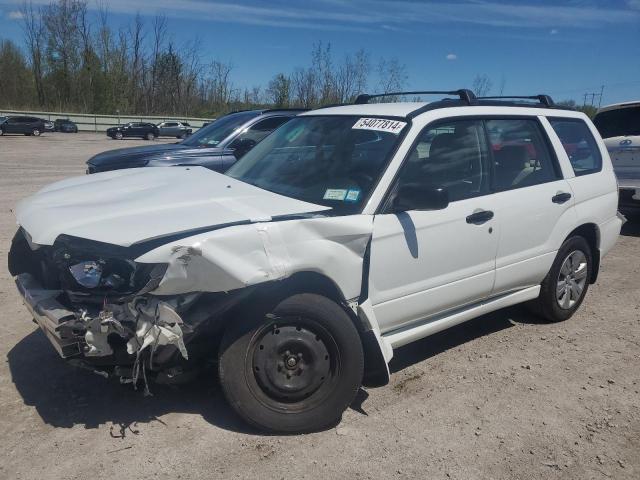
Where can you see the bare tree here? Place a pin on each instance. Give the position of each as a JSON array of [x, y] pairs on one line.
[[481, 85], [279, 90], [503, 83], [351, 76], [34, 38], [392, 76]]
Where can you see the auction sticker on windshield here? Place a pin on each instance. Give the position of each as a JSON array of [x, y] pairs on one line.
[[380, 125]]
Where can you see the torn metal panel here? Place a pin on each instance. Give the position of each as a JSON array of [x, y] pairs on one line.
[[243, 255]]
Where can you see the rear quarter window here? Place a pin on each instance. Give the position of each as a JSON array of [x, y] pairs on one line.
[[579, 144]]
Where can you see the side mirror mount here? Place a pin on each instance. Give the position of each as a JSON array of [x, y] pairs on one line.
[[242, 146], [413, 196]]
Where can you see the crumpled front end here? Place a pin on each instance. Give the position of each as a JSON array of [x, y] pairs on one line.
[[94, 305]]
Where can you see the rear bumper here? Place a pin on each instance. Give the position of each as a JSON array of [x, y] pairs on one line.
[[50, 315]]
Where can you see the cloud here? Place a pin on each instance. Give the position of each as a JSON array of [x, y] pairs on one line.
[[635, 4], [15, 15], [452, 56], [376, 15], [554, 31]]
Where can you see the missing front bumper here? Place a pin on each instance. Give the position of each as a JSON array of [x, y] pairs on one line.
[[50, 315]]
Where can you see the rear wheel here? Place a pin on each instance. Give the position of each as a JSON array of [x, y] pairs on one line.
[[566, 284], [295, 369]]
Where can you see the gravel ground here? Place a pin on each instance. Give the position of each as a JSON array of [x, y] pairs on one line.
[[502, 397]]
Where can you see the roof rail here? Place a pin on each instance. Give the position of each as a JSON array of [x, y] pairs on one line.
[[545, 100], [465, 95], [292, 109]]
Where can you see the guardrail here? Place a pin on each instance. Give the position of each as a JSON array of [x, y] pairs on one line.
[[99, 123]]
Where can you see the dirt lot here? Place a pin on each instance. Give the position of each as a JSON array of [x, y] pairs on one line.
[[501, 397]]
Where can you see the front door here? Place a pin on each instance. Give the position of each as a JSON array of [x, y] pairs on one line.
[[425, 263]]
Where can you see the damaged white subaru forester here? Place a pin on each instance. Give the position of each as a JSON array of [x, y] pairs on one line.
[[348, 232]]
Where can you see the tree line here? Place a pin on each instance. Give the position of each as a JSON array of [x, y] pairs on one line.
[[71, 60]]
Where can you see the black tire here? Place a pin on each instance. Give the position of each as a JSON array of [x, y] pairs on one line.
[[150, 136], [118, 136], [292, 370], [548, 305], [35, 132]]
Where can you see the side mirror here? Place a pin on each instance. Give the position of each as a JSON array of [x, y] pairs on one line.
[[413, 196]]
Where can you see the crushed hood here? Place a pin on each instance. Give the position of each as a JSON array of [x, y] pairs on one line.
[[124, 207]]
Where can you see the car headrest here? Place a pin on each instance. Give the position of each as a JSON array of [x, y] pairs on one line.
[[512, 157]]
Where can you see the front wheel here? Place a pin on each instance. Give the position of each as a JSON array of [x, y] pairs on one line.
[[565, 286], [35, 132], [118, 136], [150, 136], [294, 369]]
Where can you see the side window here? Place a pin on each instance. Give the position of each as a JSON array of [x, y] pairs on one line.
[[451, 155], [255, 133], [578, 142], [521, 155]]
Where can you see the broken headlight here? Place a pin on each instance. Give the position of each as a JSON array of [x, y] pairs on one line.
[[87, 274]]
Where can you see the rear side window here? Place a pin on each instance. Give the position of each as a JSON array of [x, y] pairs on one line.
[[521, 155], [578, 142]]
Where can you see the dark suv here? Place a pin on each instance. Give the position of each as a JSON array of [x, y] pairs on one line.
[[216, 146], [147, 131], [25, 125], [65, 125]]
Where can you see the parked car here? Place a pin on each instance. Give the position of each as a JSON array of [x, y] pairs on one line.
[[2, 119], [65, 125], [175, 129], [25, 125], [619, 125], [347, 233], [217, 146], [48, 126], [146, 131]]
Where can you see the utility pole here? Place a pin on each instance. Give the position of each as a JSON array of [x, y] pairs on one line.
[[593, 96]]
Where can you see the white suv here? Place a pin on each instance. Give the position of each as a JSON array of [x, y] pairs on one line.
[[619, 126], [348, 232]]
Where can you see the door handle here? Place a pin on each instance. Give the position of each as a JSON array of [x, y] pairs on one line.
[[561, 197], [481, 217]]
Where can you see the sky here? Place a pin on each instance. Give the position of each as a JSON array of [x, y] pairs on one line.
[[561, 48]]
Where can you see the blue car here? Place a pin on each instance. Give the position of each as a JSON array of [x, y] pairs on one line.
[[216, 146]]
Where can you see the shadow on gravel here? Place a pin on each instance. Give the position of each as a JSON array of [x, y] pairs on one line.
[[65, 396], [479, 327]]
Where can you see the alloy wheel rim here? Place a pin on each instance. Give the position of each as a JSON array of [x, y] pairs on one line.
[[571, 280]]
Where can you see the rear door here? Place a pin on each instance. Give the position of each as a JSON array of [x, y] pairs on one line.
[[534, 203]]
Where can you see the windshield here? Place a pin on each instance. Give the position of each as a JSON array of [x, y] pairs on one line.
[[216, 132], [329, 160], [619, 122]]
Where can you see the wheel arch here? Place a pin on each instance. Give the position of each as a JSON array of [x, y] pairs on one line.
[[376, 372], [591, 233]]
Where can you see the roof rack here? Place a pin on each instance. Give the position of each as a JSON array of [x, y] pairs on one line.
[[545, 100], [292, 109], [467, 96]]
